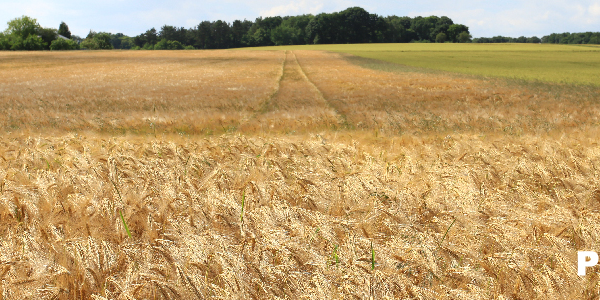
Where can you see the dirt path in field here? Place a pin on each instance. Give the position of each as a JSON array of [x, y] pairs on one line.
[[296, 105]]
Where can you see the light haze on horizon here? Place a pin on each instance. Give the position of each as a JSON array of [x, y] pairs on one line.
[[484, 18]]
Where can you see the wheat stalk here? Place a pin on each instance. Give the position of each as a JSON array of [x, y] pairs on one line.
[[446, 233]]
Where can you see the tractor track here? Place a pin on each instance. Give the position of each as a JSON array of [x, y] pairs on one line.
[[295, 102]]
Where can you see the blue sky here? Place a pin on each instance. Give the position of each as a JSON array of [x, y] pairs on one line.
[[484, 18]]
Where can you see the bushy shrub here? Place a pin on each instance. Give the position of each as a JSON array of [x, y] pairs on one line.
[[97, 41], [126, 43], [189, 47], [464, 37], [32, 42], [4, 43], [440, 38], [89, 44], [161, 45], [175, 45], [168, 45], [62, 44], [103, 40]]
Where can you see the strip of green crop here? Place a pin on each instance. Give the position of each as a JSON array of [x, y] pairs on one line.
[[571, 64]]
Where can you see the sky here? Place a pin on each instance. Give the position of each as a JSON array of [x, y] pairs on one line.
[[132, 17]]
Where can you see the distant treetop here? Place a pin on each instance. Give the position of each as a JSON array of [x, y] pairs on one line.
[[63, 30]]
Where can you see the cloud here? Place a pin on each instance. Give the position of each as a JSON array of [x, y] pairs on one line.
[[294, 8], [300, 7], [190, 23], [595, 10]]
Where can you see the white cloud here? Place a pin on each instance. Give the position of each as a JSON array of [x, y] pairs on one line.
[[595, 10], [192, 22], [294, 8]]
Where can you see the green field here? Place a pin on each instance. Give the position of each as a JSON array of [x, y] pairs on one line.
[[538, 62]]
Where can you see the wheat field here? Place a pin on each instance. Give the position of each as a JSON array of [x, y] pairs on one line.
[[290, 174]]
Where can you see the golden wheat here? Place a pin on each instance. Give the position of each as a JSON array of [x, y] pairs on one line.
[[354, 182]]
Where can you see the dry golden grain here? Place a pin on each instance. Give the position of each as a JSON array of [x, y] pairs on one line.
[[463, 188]]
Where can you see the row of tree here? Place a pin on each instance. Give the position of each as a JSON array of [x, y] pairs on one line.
[[505, 39], [353, 25], [573, 38], [26, 34], [555, 38]]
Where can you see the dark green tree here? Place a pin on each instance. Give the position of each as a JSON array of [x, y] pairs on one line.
[[284, 35], [221, 34], [238, 30], [270, 23], [440, 38], [297, 23], [396, 31], [91, 35], [464, 37], [63, 30], [48, 35], [168, 33], [116, 40], [150, 37], [454, 30], [324, 29], [4, 42], [357, 26], [424, 27], [203, 36], [261, 37]]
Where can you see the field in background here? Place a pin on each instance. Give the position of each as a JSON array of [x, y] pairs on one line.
[[261, 174], [540, 62], [215, 92]]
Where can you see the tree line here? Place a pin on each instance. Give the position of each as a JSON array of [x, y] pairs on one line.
[[505, 39], [572, 38], [554, 38], [353, 25], [350, 26], [26, 34]]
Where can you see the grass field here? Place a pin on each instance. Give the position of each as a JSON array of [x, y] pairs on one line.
[[571, 64], [290, 174]]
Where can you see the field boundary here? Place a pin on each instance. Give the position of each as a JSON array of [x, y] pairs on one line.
[[587, 92]]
